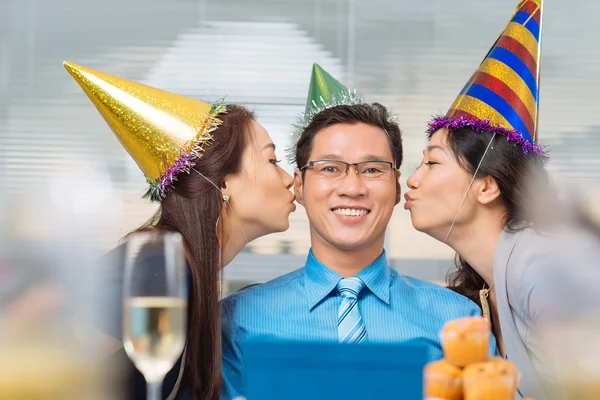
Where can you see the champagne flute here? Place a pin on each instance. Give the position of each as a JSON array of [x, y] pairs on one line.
[[155, 305]]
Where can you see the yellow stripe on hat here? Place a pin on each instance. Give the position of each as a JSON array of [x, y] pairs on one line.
[[457, 100], [503, 72], [480, 110], [523, 36]]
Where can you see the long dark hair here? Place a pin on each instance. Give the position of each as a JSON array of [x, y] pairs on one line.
[[192, 208], [522, 180]]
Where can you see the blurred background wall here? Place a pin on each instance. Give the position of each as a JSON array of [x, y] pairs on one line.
[[412, 56]]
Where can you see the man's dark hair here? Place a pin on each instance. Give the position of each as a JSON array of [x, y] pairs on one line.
[[371, 114]]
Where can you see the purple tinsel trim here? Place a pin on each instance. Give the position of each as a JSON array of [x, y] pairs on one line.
[[184, 163], [512, 135], [189, 154]]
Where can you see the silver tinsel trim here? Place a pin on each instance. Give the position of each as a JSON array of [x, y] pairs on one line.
[[304, 119]]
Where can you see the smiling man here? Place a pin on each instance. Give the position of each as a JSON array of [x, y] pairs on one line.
[[348, 155]]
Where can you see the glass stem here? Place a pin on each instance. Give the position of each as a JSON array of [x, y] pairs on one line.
[[154, 390]]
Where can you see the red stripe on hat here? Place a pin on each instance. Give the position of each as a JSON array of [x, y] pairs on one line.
[[504, 91], [530, 7], [538, 16], [518, 50]]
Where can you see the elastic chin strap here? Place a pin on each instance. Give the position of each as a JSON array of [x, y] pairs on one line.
[[469, 188], [230, 207]]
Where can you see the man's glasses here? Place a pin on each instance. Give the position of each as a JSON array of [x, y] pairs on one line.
[[334, 169]]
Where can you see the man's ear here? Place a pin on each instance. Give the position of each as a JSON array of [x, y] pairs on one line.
[[298, 187], [398, 188]]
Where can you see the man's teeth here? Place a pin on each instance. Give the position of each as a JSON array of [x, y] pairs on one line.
[[350, 212]]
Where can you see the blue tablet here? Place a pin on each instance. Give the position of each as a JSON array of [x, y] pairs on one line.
[[303, 370]]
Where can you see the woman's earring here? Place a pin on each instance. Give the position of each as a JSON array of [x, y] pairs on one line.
[[223, 224]]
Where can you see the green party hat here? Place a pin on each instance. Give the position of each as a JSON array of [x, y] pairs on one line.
[[323, 89], [324, 92]]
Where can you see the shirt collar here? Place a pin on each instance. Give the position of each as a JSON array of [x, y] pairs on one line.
[[320, 280], [377, 278]]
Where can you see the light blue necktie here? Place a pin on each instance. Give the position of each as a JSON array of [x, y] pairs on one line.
[[351, 328]]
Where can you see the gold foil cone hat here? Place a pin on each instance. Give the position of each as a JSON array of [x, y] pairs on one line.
[[163, 132]]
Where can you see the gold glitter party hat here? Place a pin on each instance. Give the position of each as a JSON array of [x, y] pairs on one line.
[[163, 132]]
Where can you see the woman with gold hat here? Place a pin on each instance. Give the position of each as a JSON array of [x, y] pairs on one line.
[[482, 189], [213, 170]]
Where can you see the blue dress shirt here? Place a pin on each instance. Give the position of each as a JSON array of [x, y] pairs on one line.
[[303, 305]]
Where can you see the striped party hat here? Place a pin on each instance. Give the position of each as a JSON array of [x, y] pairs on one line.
[[502, 96]]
